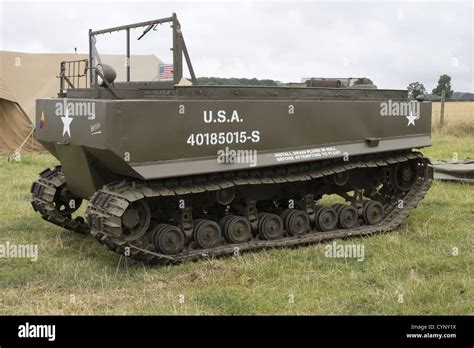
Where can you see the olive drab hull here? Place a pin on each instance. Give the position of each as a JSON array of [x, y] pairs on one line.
[[154, 139]]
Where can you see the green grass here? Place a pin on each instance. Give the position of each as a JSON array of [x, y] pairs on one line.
[[416, 261], [449, 145]]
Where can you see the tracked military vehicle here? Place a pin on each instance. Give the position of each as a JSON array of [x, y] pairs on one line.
[[175, 172]]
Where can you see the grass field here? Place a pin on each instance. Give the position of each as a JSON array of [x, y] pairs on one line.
[[458, 118], [424, 267]]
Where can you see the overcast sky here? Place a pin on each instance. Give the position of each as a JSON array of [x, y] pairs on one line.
[[392, 42]]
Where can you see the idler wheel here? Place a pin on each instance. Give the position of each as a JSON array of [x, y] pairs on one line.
[[347, 216], [270, 226], [296, 222], [136, 220], [373, 212], [236, 229], [403, 175], [168, 239], [326, 218], [207, 233]]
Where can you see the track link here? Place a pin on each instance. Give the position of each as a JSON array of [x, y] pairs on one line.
[[107, 206], [44, 195]]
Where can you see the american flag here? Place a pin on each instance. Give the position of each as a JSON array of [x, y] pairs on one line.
[[166, 71]]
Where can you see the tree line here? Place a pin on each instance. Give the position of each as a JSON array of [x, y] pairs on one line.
[[444, 83]]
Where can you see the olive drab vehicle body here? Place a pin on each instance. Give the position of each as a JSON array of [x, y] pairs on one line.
[[174, 172]]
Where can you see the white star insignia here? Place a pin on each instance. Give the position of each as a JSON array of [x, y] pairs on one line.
[[411, 119], [66, 124]]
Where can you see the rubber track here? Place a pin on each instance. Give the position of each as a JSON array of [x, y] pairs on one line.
[[107, 205]]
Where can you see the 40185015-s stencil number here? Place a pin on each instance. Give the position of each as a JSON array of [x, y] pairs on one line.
[[222, 138]]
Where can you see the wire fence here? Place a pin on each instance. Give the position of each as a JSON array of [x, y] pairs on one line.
[[454, 112]]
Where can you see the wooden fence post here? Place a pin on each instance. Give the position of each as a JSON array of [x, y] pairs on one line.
[[443, 99]]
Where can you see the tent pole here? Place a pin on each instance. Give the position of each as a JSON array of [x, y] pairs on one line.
[[18, 150]]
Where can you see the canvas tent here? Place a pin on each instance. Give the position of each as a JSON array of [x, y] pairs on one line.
[[25, 77], [15, 126]]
